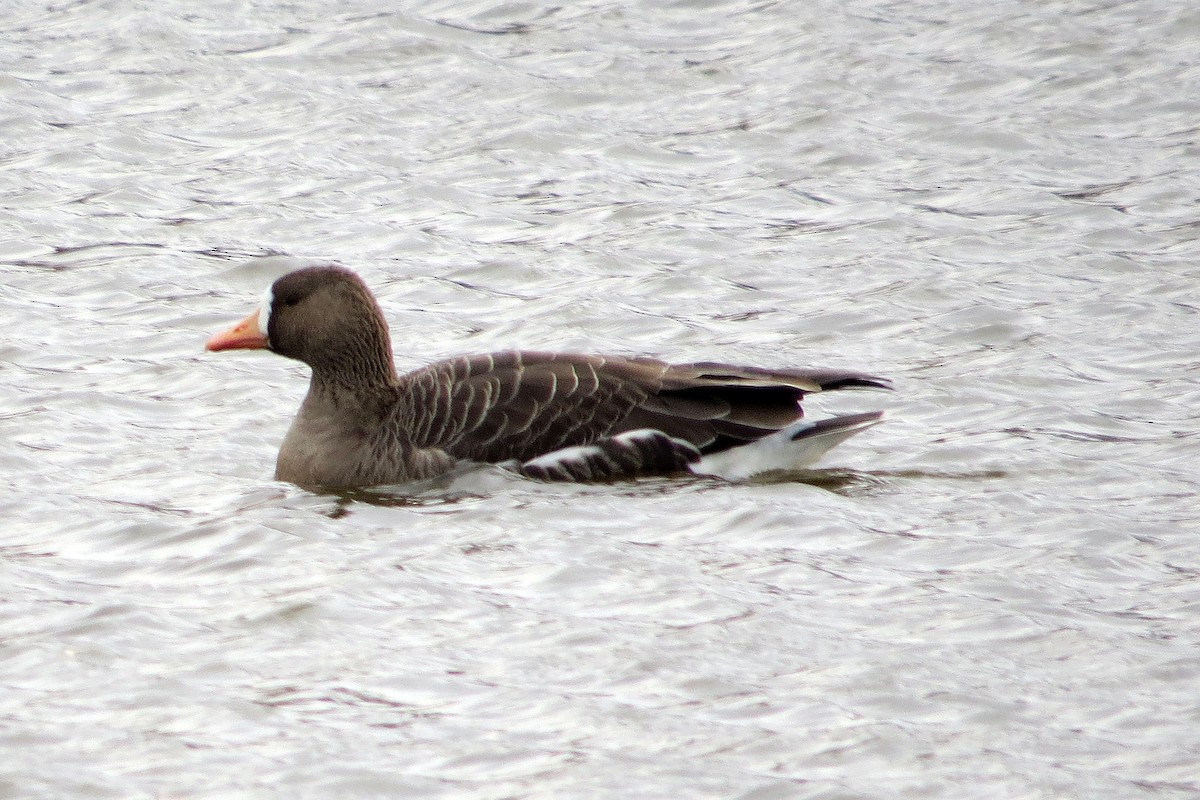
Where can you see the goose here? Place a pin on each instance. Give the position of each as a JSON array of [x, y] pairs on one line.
[[545, 415]]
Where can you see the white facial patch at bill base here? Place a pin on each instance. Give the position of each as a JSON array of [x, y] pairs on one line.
[[264, 313]]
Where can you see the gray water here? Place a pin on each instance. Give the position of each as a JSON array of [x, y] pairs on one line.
[[993, 595]]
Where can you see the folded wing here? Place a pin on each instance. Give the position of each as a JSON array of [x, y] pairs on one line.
[[523, 405]]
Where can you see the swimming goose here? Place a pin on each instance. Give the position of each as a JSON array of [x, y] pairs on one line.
[[551, 416]]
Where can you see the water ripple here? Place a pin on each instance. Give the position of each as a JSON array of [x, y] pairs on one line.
[[993, 593]]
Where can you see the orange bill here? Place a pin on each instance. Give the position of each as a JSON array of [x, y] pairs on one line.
[[243, 336]]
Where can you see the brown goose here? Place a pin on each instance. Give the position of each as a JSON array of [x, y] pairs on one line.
[[552, 416]]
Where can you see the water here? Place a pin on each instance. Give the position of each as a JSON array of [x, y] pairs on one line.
[[994, 595]]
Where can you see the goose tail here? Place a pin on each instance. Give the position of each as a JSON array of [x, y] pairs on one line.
[[795, 447]]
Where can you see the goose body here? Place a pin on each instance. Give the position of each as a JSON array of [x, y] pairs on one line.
[[552, 416]]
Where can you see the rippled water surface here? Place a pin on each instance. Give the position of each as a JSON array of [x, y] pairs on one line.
[[993, 595]]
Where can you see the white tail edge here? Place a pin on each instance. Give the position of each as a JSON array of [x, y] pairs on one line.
[[795, 447]]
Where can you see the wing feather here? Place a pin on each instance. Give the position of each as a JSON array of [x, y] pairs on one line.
[[525, 404]]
